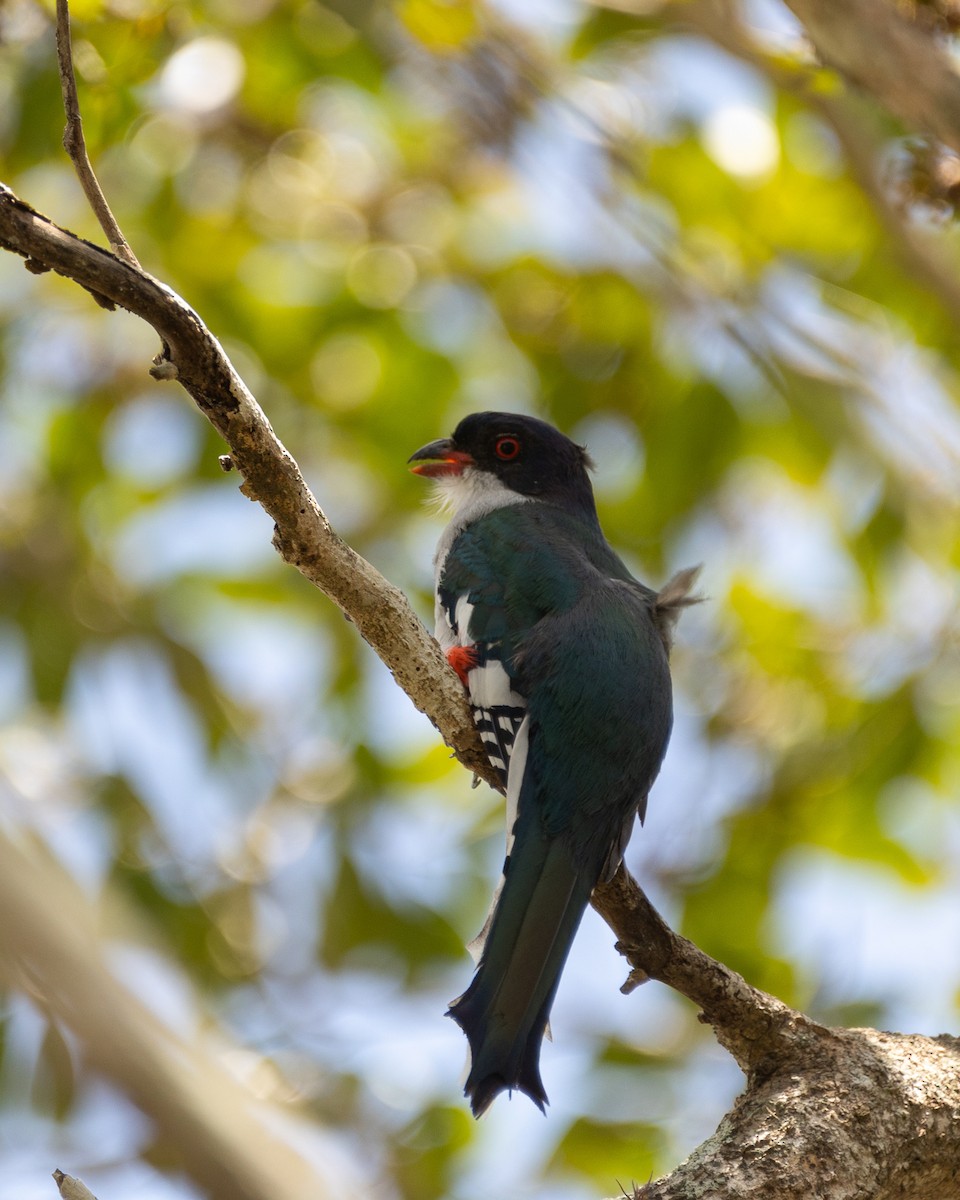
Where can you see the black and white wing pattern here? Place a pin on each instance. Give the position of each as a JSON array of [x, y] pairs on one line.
[[498, 709]]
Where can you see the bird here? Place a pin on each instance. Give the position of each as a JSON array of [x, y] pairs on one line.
[[564, 657]]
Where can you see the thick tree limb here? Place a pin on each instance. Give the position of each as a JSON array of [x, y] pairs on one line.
[[860, 1115], [840, 1114]]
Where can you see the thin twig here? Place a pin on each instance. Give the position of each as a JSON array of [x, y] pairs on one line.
[[76, 146]]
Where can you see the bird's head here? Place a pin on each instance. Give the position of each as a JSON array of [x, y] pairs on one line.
[[522, 454]]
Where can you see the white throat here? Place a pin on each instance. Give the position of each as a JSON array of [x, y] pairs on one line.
[[466, 497]]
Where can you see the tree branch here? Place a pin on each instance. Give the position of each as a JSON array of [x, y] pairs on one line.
[[306, 540], [304, 537], [860, 1115], [755, 1028], [76, 146], [873, 45], [803, 1078]]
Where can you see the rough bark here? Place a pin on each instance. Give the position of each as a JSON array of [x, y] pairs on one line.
[[850, 1114], [835, 1114]]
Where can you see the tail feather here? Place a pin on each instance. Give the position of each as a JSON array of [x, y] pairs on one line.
[[505, 1010], [675, 595]]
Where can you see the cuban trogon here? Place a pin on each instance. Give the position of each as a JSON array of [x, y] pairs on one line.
[[564, 658]]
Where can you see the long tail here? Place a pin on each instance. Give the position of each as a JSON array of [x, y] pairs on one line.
[[504, 1011]]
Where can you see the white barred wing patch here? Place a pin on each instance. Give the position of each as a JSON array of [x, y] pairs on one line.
[[497, 709]]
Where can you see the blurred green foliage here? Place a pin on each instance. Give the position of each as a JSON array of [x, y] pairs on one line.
[[391, 216]]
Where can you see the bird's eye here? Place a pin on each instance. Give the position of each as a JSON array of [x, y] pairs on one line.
[[507, 448]]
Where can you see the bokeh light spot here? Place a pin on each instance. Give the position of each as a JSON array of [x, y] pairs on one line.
[[346, 370], [742, 140], [202, 76], [381, 276]]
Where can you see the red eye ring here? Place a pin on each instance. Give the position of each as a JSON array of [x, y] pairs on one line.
[[507, 447]]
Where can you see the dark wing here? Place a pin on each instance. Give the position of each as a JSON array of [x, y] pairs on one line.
[[584, 648]]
